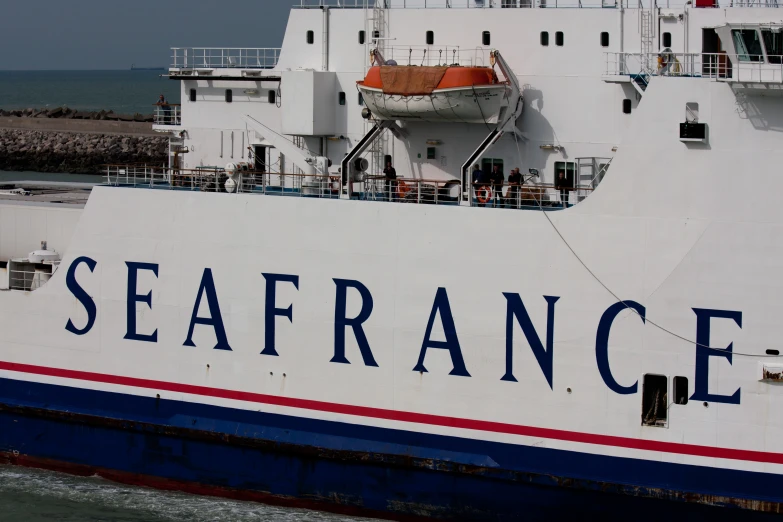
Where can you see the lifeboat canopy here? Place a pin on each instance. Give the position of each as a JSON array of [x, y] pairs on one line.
[[435, 93]]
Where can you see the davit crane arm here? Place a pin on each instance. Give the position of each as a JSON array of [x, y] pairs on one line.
[[309, 163]]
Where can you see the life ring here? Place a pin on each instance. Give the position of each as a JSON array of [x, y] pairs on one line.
[[402, 189], [483, 194]]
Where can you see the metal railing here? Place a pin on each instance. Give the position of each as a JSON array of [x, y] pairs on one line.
[[168, 114], [504, 4], [433, 55], [224, 57], [748, 68], [27, 280], [370, 188]]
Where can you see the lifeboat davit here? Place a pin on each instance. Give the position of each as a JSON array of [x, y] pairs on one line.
[[437, 94]]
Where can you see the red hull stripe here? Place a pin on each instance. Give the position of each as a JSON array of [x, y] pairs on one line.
[[404, 416]]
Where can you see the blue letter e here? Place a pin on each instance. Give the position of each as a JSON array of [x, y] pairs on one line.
[[704, 352], [133, 298]]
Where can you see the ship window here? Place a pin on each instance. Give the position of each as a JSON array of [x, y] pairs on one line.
[[341, 98], [310, 37], [376, 34], [430, 37], [773, 42], [667, 39], [229, 95], [604, 39], [568, 168], [626, 106], [488, 163], [747, 44], [654, 400], [271, 96], [559, 38], [485, 38], [361, 37], [361, 99], [544, 38], [431, 153], [192, 95], [680, 390]]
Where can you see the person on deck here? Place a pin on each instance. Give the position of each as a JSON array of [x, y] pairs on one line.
[[561, 184], [477, 178], [515, 181], [391, 176], [496, 180], [165, 110]]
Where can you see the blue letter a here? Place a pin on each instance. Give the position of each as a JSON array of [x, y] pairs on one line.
[[516, 309], [451, 343], [215, 320]]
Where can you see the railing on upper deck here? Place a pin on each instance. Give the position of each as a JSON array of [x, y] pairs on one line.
[[168, 114], [749, 68], [488, 4], [224, 57], [371, 188], [434, 55]]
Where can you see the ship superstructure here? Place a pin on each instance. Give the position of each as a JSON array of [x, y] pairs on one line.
[[278, 315]]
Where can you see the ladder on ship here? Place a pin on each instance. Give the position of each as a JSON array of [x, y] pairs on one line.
[[376, 21], [647, 42]]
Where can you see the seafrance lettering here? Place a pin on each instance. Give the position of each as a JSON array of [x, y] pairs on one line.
[[517, 318]]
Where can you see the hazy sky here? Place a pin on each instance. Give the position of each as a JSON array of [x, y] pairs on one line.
[[113, 34]]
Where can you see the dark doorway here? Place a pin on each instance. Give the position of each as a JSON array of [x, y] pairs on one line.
[[259, 158], [715, 63]]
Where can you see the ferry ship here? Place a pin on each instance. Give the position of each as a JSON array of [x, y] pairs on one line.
[[449, 259]]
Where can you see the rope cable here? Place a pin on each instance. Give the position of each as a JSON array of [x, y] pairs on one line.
[[646, 320]]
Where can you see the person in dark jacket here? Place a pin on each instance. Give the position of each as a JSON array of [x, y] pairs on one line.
[[391, 176], [496, 180], [561, 184], [477, 179], [515, 183]]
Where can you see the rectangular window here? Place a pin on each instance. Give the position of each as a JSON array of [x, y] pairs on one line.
[[626, 106], [431, 153], [485, 38], [667, 40], [229, 95], [559, 38], [544, 38], [361, 99], [341, 98], [376, 34], [192, 95], [488, 163], [568, 168], [680, 390], [773, 43], [361, 37], [654, 400], [747, 44], [310, 37], [271, 96], [430, 37], [604, 39]]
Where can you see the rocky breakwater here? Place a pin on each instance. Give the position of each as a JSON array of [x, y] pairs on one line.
[[66, 113], [50, 151]]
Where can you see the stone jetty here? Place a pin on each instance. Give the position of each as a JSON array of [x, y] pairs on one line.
[[71, 114], [76, 152]]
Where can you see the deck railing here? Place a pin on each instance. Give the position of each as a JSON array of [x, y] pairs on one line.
[[168, 114], [505, 4], [749, 68], [370, 188], [224, 57]]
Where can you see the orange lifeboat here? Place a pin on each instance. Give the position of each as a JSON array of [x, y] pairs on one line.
[[426, 93]]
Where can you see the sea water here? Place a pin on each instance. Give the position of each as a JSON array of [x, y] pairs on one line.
[[124, 92], [32, 495]]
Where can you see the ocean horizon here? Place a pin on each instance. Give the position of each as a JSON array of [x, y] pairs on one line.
[[122, 91]]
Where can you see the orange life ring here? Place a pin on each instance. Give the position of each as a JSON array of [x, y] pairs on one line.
[[402, 189], [483, 194]]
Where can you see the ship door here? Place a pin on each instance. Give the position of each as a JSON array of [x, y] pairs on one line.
[[488, 163], [259, 158], [715, 63]]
